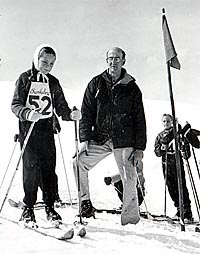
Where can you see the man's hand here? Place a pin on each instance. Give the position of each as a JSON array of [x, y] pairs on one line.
[[76, 115], [135, 157], [83, 148]]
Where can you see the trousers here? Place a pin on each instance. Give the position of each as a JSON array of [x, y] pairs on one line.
[[96, 153]]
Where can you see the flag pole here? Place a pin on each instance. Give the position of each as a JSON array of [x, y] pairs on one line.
[[177, 153]]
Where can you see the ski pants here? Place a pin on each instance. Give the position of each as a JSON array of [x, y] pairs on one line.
[[116, 180], [95, 154], [172, 182], [39, 161]]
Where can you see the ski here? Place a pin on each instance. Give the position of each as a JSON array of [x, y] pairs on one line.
[[79, 229], [40, 204], [64, 235], [144, 215], [153, 217]]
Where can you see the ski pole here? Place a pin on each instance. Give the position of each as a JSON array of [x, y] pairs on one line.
[[196, 199], [117, 189], [20, 157], [16, 139], [64, 168], [143, 195], [165, 188], [77, 167], [195, 161]]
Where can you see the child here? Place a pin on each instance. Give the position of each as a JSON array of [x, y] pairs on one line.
[[37, 95], [164, 147]]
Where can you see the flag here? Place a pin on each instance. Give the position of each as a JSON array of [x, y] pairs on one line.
[[170, 52]]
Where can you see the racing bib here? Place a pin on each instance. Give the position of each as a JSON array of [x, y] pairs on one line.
[[171, 148], [39, 97]]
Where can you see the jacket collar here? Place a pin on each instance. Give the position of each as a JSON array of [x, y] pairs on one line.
[[125, 78]]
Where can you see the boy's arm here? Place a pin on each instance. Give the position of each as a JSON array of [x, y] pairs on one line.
[[19, 99]]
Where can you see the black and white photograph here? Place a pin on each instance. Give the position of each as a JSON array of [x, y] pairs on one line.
[[100, 126]]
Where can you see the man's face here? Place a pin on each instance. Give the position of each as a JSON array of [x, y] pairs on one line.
[[114, 61]]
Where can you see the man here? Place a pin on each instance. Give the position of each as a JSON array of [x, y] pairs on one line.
[[113, 121]]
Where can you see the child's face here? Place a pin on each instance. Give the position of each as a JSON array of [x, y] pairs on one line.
[[167, 122], [46, 63]]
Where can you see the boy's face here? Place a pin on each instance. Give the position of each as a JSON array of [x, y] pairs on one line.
[[46, 63], [167, 122]]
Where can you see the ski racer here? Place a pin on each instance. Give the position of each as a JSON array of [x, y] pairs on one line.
[[37, 94], [164, 147]]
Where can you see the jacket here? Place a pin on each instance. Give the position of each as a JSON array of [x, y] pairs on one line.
[[18, 107], [166, 137], [113, 112]]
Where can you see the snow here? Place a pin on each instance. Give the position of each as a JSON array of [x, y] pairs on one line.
[[105, 233]]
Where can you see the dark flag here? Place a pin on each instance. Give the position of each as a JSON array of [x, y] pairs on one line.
[[172, 61], [170, 52]]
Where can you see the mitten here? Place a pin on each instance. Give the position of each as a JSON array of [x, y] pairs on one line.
[[107, 180]]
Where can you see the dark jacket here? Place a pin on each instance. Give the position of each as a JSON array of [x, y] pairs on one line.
[[20, 110], [113, 112], [166, 137]]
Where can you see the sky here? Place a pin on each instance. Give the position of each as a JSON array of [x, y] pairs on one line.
[[82, 31]]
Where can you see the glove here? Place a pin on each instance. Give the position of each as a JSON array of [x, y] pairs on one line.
[[76, 115], [107, 180], [16, 137], [185, 154], [33, 115], [135, 157], [83, 148], [164, 147]]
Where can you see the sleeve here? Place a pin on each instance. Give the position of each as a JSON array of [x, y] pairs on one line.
[[157, 146], [61, 106], [167, 137], [56, 124], [139, 122], [88, 110], [19, 99]]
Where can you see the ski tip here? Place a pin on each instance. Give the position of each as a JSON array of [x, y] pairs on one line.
[[149, 216], [13, 203], [82, 232], [68, 235]]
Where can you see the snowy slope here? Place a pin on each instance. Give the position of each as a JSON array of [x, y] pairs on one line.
[[105, 233]]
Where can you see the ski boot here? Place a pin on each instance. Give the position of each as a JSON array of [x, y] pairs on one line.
[[188, 217], [176, 216], [87, 210], [28, 217], [53, 216], [58, 201]]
